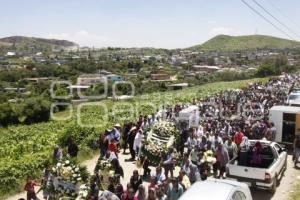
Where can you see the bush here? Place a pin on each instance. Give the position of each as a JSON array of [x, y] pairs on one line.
[[274, 66], [31, 110]]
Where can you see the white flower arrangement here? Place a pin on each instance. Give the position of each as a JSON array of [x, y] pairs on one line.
[[156, 148], [103, 165], [164, 129], [208, 158], [65, 172], [83, 192]]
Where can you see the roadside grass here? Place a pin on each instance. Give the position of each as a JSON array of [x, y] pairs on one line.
[[296, 192]]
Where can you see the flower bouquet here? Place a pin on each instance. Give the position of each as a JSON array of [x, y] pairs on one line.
[[155, 150], [83, 192], [104, 170], [164, 129], [66, 176], [207, 159]]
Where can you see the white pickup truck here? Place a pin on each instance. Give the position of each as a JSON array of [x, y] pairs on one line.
[[265, 175]]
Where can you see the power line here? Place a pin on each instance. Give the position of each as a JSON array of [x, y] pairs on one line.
[[275, 18], [267, 20], [283, 14]]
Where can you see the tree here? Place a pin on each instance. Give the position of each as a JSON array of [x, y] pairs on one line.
[[273, 66], [211, 61]]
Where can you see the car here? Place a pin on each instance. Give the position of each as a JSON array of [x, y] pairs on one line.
[[268, 173], [293, 98], [217, 189]]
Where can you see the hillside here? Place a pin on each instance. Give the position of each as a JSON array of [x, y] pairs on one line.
[[234, 43], [21, 43]]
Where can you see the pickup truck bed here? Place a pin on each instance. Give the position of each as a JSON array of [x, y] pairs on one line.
[[264, 175], [266, 155]]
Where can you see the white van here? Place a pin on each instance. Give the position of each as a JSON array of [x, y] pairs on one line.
[[190, 117], [287, 122]]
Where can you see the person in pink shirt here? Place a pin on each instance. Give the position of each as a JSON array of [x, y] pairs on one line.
[[130, 195]]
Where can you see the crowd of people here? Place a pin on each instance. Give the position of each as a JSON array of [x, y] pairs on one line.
[[227, 121]]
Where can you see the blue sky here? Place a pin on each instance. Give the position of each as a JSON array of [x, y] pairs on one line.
[[140, 23]]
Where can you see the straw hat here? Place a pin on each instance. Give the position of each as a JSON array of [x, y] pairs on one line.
[[118, 125]]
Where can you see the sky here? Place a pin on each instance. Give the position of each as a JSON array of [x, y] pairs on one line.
[[144, 23]]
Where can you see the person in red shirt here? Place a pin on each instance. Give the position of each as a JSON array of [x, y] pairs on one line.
[[238, 137], [29, 188], [112, 146]]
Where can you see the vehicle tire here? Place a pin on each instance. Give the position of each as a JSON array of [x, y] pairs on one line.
[[274, 186], [285, 165], [284, 169], [277, 180]]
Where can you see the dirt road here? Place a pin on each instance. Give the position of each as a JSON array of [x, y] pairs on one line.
[[285, 188], [290, 177]]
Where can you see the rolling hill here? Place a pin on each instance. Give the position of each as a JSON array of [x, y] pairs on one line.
[[21, 42], [234, 43]]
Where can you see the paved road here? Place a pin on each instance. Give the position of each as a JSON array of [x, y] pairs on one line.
[[290, 177]]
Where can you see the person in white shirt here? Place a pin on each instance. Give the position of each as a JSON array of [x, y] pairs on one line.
[[137, 144], [159, 176], [200, 131], [216, 140], [191, 142]]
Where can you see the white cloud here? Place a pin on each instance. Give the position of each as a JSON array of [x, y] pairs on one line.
[[224, 31], [83, 38]]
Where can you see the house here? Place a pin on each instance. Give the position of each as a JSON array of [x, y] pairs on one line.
[[205, 68], [160, 77], [75, 88], [37, 80], [90, 79], [104, 72], [39, 59], [114, 78], [131, 75], [10, 54], [189, 74], [18, 90]]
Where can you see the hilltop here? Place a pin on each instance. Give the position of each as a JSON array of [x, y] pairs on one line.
[[21, 42], [235, 43]]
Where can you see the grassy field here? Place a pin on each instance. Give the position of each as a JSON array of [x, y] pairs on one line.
[[25, 149]]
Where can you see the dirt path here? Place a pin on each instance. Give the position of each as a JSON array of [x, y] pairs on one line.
[[291, 176], [285, 188]]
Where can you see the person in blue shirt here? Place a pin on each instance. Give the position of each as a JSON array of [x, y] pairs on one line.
[[175, 190]]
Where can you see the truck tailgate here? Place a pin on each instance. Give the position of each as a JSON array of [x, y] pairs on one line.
[[246, 172]]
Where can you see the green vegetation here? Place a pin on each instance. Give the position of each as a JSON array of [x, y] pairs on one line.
[[239, 43], [31, 110], [296, 194], [26, 148], [275, 66]]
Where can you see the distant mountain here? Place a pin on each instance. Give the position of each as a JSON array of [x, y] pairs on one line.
[[21, 42], [235, 43]]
